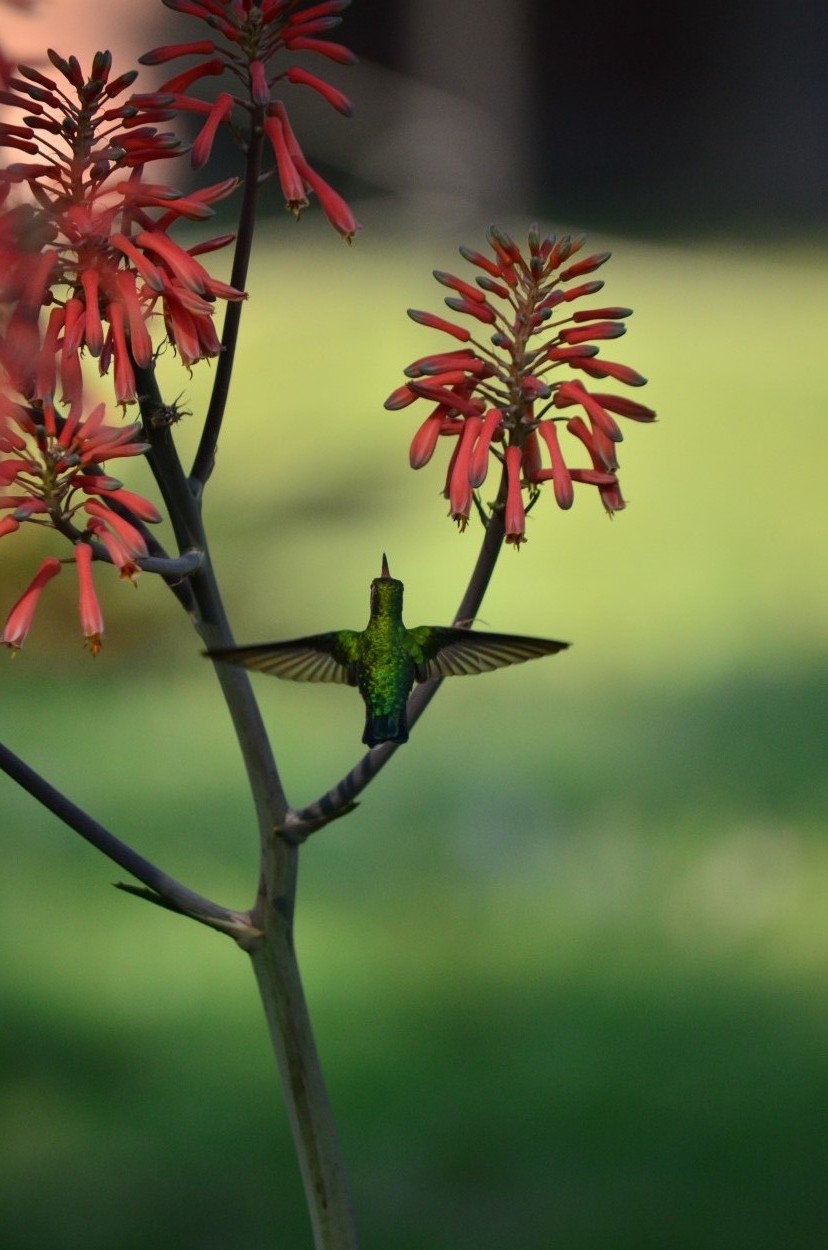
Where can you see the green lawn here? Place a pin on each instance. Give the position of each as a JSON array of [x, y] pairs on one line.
[[567, 959]]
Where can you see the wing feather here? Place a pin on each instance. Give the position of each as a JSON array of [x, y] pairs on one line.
[[319, 657], [449, 652]]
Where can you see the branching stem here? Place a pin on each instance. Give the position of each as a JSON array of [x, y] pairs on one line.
[[179, 897]]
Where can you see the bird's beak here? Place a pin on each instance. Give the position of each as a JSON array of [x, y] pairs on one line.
[[385, 570]]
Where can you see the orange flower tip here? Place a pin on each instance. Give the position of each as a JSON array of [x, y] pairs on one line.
[[515, 540], [94, 643]]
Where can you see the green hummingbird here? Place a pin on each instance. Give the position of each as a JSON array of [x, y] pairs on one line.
[[385, 659]]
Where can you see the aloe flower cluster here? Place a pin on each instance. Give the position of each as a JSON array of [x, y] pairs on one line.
[[51, 474], [91, 247], [87, 269], [506, 401], [252, 41]]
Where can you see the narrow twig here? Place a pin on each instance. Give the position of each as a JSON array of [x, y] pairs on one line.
[[175, 895], [205, 456], [172, 567], [246, 937], [163, 460]]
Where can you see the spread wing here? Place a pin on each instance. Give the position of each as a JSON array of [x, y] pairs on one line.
[[319, 657], [449, 652]]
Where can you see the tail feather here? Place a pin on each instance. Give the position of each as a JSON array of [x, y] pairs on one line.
[[390, 727]]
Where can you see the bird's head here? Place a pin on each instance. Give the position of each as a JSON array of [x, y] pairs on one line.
[[386, 591]]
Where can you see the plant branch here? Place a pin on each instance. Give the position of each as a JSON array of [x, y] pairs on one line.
[[171, 892], [163, 460], [172, 568], [311, 1118], [205, 456]]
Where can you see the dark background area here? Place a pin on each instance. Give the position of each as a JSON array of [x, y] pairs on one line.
[[659, 121], [655, 118]]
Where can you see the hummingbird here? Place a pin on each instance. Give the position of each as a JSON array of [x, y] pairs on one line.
[[385, 659]]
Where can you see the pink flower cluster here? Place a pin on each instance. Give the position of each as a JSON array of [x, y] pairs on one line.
[[254, 34], [504, 401]]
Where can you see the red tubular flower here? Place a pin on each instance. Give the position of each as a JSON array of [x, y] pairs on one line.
[[333, 206], [254, 42], [120, 555], [525, 297], [515, 514], [425, 440], [220, 112], [561, 476], [90, 609], [293, 188], [93, 247], [19, 621], [492, 428], [459, 487]]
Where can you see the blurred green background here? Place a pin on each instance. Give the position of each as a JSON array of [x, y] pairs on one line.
[[567, 959]]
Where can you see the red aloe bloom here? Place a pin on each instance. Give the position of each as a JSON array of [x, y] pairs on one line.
[[504, 400], [94, 247], [515, 513], [253, 41], [19, 621], [90, 609], [52, 466]]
